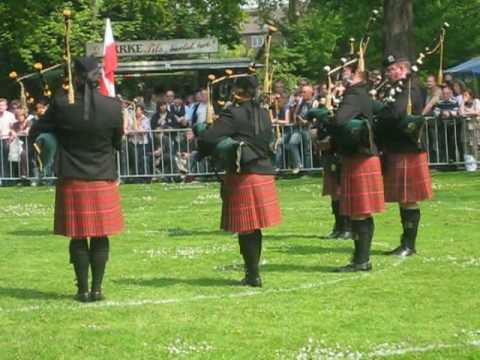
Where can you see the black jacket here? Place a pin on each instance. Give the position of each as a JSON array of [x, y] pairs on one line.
[[390, 136], [86, 148], [356, 104], [238, 122]]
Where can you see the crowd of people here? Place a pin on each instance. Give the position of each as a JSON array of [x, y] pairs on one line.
[[159, 140]]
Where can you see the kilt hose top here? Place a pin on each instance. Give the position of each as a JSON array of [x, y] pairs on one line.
[[407, 177], [87, 208], [249, 203], [361, 191]]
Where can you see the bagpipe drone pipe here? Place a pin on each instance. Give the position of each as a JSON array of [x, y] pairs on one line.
[[410, 125], [227, 153], [230, 153]]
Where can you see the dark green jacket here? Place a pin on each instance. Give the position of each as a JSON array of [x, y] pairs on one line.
[[86, 148], [248, 122]]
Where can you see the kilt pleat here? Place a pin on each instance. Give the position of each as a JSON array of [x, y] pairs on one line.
[[407, 178], [361, 186], [331, 185], [87, 208], [250, 202]]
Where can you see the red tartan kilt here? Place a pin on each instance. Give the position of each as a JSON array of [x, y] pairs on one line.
[[249, 202], [407, 178], [87, 208], [361, 186], [330, 184]]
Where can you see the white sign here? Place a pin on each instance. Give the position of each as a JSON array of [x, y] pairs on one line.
[[163, 47]]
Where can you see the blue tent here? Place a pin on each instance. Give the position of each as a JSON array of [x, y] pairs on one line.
[[471, 67]]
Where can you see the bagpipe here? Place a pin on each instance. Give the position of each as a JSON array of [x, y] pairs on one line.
[[229, 153], [45, 145], [411, 125], [356, 132]]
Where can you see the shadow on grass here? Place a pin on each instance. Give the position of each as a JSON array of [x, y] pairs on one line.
[[187, 232], [30, 232], [163, 282], [309, 250], [32, 294], [297, 268], [293, 237]]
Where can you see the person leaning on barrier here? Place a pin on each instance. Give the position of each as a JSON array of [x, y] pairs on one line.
[[450, 127], [471, 105], [299, 143], [406, 174], [6, 121], [20, 129], [248, 193], [87, 201]]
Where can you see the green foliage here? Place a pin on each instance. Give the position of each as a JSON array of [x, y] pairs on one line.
[[321, 35], [172, 281], [34, 29]]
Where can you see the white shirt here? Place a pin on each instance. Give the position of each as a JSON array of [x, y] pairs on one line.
[[6, 121], [202, 113]]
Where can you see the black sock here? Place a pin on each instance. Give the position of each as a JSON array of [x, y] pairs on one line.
[[410, 227], [346, 224], [99, 251], [336, 214], [403, 218], [250, 248], [363, 233], [79, 258]]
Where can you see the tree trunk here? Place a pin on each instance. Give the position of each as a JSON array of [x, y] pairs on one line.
[[398, 32], [292, 11]]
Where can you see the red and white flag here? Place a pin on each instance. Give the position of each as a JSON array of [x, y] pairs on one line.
[[107, 80]]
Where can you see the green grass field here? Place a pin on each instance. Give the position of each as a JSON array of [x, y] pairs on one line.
[[172, 292]]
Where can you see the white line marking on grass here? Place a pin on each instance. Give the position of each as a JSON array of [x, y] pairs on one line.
[[420, 349], [144, 302]]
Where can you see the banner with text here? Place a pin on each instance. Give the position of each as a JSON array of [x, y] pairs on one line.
[[162, 47]]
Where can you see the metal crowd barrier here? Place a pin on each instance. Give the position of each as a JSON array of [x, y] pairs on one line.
[[170, 153]]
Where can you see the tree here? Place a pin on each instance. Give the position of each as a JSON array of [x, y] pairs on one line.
[[398, 34], [33, 31]]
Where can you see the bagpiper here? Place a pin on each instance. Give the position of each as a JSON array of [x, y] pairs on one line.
[[406, 174], [248, 189], [87, 202], [361, 185]]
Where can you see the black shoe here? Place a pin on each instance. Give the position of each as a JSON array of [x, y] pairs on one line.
[[345, 235], [335, 234], [82, 297], [96, 296], [251, 281], [401, 251], [352, 267]]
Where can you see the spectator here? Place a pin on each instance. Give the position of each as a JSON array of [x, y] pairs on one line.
[[281, 118], [159, 119], [447, 106], [18, 135], [139, 150], [199, 114], [449, 134], [300, 140], [40, 108], [178, 112], [471, 109], [189, 107], [458, 90], [471, 105], [434, 92], [14, 106], [279, 88], [6, 121]]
